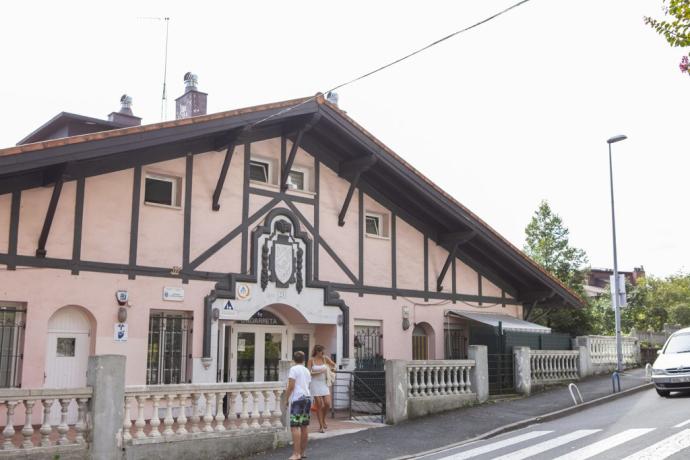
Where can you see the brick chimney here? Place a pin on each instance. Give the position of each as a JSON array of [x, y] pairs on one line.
[[125, 117], [193, 102]]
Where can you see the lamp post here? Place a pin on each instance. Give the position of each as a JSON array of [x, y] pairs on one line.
[[616, 306]]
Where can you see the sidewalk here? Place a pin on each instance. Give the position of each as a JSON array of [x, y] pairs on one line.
[[451, 427]]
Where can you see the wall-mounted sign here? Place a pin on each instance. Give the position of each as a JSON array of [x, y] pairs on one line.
[[241, 345], [228, 306], [173, 294], [243, 292], [121, 332]]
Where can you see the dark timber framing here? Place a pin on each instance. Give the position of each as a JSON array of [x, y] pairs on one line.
[[317, 198], [223, 173], [245, 206], [455, 239], [14, 229], [451, 257], [293, 150], [134, 224], [50, 214], [394, 253], [325, 245], [78, 220], [186, 238], [455, 280], [356, 167], [426, 268], [360, 238], [479, 286]]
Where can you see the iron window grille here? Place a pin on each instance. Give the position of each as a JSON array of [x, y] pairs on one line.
[[368, 347], [169, 348], [12, 327]]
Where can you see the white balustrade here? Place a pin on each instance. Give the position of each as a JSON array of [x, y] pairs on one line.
[[550, 366], [602, 349], [200, 409], [439, 378], [31, 409]]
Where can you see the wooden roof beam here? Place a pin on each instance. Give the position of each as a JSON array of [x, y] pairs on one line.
[[356, 167], [50, 214], [231, 142], [293, 150]]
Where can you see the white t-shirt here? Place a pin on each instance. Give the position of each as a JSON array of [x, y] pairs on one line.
[[302, 377]]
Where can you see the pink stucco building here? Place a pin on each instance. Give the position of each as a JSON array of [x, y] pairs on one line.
[[210, 247]]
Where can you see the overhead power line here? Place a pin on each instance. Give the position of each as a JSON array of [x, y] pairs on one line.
[[397, 61]]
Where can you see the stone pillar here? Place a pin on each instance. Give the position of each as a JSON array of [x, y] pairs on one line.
[[585, 362], [479, 376], [283, 370], [397, 382], [106, 376], [523, 370]]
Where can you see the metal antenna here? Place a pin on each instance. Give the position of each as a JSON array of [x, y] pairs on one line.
[[164, 99]]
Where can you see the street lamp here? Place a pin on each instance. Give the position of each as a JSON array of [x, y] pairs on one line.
[[616, 306]]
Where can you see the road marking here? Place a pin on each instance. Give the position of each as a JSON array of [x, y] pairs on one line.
[[547, 445], [681, 424], [664, 448], [496, 445], [605, 444]]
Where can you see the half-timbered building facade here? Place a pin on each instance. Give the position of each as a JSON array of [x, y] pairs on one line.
[[211, 247]]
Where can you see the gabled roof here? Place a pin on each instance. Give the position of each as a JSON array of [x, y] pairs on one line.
[[63, 119], [337, 138]]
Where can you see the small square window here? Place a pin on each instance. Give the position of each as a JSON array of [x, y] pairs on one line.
[[295, 180], [162, 190], [258, 171], [65, 347], [373, 225]]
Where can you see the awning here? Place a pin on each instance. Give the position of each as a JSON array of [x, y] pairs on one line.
[[508, 323]]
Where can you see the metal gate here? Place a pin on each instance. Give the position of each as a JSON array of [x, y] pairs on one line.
[[360, 395], [501, 377]]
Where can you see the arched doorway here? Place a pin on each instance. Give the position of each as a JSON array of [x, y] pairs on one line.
[[251, 350], [68, 348], [420, 341]]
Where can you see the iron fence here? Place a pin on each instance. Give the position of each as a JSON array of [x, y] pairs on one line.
[[501, 374], [368, 348]]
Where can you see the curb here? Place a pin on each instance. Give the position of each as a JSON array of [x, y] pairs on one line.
[[530, 421]]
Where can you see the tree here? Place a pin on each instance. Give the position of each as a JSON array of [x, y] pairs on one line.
[[676, 30], [547, 243]]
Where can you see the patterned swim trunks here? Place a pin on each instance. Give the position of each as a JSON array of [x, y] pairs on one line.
[[300, 412]]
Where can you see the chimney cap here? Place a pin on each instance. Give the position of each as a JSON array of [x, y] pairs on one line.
[[190, 81]]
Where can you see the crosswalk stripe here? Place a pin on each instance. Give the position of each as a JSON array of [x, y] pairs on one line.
[[496, 445], [681, 424], [664, 448], [605, 444], [547, 445]]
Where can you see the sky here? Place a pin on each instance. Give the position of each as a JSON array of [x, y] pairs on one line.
[[511, 113]]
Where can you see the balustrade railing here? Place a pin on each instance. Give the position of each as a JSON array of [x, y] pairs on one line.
[[39, 419], [602, 349], [165, 411], [438, 378], [549, 366]]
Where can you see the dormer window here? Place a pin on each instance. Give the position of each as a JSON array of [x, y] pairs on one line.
[[259, 171]]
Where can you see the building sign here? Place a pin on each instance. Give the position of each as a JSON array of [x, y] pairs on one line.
[[173, 294], [263, 318], [121, 332]]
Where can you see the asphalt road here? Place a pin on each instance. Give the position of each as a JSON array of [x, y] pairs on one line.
[[640, 426]]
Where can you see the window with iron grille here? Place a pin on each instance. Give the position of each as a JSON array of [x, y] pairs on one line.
[[169, 348], [12, 325], [368, 349], [455, 343]]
